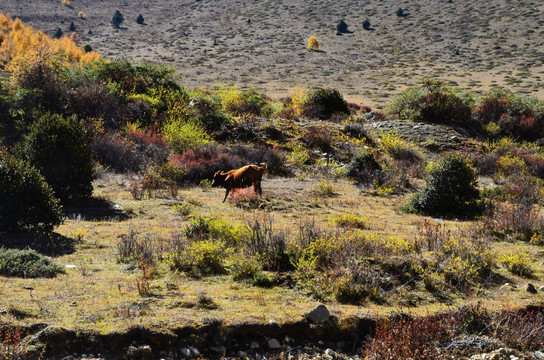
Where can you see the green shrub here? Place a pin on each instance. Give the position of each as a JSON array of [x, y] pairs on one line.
[[518, 264], [27, 264], [238, 103], [58, 148], [324, 103], [200, 258], [183, 135], [140, 19], [464, 261], [364, 167], [217, 229], [450, 189], [434, 102], [366, 24], [27, 202], [350, 221], [400, 149], [242, 267]]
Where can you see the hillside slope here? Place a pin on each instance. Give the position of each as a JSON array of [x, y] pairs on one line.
[[263, 44]]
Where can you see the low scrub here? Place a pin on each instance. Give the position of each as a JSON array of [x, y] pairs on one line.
[[27, 264]]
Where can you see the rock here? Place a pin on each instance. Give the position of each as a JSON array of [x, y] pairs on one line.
[[508, 286], [330, 352], [185, 352], [242, 354], [143, 352], [69, 357], [538, 355], [194, 351], [253, 345], [274, 344], [218, 349], [319, 315], [531, 288], [541, 288]]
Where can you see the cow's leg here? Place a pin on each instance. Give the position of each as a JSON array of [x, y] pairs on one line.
[[226, 194], [258, 187]]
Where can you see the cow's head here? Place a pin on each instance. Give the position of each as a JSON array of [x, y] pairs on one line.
[[219, 179]]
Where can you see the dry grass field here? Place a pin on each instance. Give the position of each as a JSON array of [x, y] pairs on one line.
[[263, 44], [99, 293]]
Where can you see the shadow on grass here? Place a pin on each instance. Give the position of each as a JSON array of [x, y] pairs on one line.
[[48, 244], [95, 209]]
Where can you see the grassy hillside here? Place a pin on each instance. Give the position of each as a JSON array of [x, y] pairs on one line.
[[433, 204], [263, 44]]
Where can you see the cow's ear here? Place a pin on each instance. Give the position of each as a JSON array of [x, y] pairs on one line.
[[217, 173]]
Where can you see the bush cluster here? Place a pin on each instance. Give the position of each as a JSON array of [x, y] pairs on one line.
[[433, 101], [324, 103]]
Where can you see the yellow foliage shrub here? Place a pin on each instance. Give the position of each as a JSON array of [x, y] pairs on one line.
[[313, 43]]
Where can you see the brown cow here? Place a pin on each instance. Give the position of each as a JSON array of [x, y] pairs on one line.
[[240, 178]]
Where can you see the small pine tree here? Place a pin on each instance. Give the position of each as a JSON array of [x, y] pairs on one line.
[[57, 147], [342, 27], [400, 12], [88, 48], [366, 24], [58, 34], [28, 203], [72, 27], [117, 19], [313, 44], [140, 19], [451, 189]]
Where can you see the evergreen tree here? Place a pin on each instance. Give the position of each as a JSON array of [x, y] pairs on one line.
[[58, 33], [117, 19]]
